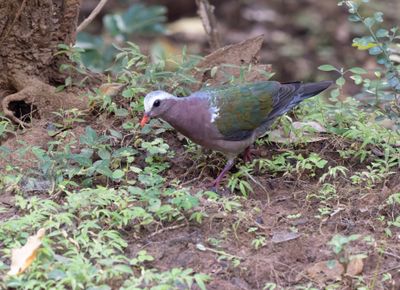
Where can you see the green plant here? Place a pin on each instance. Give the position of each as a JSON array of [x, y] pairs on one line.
[[258, 242], [137, 19], [239, 180], [393, 201], [270, 286], [280, 163], [333, 172], [339, 245], [67, 119], [5, 126], [310, 163], [378, 172], [379, 43], [325, 195], [74, 54]]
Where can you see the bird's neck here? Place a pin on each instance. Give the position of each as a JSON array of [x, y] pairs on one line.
[[180, 114], [173, 114]]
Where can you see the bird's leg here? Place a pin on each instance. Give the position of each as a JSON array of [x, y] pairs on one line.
[[227, 167], [247, 154]]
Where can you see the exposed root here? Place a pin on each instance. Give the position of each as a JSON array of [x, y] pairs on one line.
[[38, 94], [20, 96]]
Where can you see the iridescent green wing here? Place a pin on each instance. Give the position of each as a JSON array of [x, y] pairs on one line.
[[238, 110]]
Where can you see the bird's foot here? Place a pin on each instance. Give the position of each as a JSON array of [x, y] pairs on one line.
[[216, 187], [213, 186], [249, 153]]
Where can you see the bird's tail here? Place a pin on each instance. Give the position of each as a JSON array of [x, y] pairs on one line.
[[291, 95], [311, 89], [294, 93]]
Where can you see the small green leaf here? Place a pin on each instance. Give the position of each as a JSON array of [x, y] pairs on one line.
[[118, 174], [56, 274], [60, 88], [102, 167], [354, 18], [335, 93], [358, 70], [327, 67], [331, 264], [128, 93], [353, 7], [378, 16], [121, 112], [375, 50], [357, 79], [340, 81], [68, 81], [200, 278], [382, 33], [104, 154], [369, 22], [116, 134]]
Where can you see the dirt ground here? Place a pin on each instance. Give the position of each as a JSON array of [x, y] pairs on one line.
[[284, 262], [283, 208], [284, 211]]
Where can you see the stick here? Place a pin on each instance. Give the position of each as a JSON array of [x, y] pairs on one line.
[[92, 15], [167, 229], [206, 13]]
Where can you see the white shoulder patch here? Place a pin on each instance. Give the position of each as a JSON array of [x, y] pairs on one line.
[[214, 114]]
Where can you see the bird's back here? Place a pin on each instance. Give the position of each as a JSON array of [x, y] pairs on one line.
[[239, 111]]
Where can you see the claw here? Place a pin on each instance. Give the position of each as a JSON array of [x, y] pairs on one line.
[[216, 183]]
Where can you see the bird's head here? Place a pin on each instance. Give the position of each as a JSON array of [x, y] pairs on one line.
[[155, 104]]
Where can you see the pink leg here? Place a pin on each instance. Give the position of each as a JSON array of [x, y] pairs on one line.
[[247, 155], [227, 167]]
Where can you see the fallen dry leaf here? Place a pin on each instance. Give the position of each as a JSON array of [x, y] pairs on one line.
[[111, 89], [321, 273], [23, 257], [308, 129], [355, 266], [279, 136], [315, 126], [281, 237], [219, 66]]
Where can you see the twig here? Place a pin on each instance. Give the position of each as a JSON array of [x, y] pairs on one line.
[[384, 271], [260, 185], [392, 255], [92, 15], [203, 248], [206, 13], [167, 229]]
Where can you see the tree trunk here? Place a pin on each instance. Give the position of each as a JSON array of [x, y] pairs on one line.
[[30, 31]]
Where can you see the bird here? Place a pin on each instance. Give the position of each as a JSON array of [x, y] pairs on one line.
[[229, 118]]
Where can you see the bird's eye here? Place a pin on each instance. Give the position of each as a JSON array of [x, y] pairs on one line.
[[156, 103]]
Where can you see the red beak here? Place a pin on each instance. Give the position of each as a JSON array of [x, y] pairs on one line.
[[145, 119]]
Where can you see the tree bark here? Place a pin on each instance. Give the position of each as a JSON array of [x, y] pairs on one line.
[[30, 31]]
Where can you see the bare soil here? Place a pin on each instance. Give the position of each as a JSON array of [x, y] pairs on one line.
[[286, 263], [282, 207]]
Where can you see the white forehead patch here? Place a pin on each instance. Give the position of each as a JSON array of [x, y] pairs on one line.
[[153, 96]]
